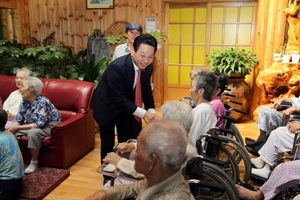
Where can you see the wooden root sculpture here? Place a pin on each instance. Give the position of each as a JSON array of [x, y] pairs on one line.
[[280, 80], [293, 43]]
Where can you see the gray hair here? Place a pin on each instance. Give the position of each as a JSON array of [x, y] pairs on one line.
[[208, 82], [178, 111], [198, 70], [28, 71], [167, 139], [36, 83]]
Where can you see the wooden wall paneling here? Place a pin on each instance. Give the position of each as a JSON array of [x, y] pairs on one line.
[[250, 79], [3, 23], [79, 22], [280, 25], [35, 17], [16, 31], [23, 22], [159, 70], [33, 29], [12, 4], [9, 20], [121, 13], [265, 41], [63, 21], [166, 51], [270, 36], [79, 35], [259, 48], [73, 35]]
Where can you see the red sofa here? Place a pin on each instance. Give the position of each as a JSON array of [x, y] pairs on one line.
[[75, 135]]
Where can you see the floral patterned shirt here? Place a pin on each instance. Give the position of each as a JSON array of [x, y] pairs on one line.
[[41, 112], [11, 160]]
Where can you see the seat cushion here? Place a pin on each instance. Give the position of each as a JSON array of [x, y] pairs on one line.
[[65, 114]]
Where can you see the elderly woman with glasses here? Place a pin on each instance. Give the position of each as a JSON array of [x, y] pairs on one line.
[[12, 103], [36, 116]]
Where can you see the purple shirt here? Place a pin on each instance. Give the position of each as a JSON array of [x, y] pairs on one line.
[[219, 109]]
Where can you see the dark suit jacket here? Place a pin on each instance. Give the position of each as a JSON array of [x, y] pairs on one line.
[[115, 92]]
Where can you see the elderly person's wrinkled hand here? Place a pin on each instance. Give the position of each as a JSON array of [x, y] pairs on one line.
[[112, 158], [293, 126], [277, 103], [126, 147], [12, 128], [10, 116], [99, 195], [286, 113]]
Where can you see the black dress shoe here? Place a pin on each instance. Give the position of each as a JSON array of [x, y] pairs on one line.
[[252, 150], [106, 179], [253, 143], [261, 139]]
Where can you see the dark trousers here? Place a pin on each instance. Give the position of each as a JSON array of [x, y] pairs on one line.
[[10, 189], [127, 128]]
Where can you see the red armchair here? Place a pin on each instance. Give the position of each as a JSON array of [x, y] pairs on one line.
[[75, 135]]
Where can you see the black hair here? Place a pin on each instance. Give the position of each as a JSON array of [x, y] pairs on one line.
[[223, 82], [145, 39], [3, 119]]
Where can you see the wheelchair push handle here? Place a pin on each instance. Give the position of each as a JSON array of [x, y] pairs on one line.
[[235, 102], [240, 111]]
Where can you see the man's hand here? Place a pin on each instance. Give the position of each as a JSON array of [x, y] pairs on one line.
[[112, 158], [99, 195], [293, 126], [148, 117], [125, 147]]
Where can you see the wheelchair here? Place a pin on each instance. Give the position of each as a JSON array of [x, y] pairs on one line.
[[288, 193], [293, 155], [224, 148], [207, 181]]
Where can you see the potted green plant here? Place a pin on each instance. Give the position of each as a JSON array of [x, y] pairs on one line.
[[232, 61], [236, 63], [277, 55]]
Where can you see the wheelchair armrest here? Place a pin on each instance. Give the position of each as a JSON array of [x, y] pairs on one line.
[[230, 119], [240, 111], [229, 94], [213, 161], [204, 184], [212, 137], [223, 130]]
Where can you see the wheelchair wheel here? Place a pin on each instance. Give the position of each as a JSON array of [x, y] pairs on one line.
[[211, 176], [230, 168], [237, 136], [240, 155]]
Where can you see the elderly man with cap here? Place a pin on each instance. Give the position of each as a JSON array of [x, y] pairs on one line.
[[132, 31]]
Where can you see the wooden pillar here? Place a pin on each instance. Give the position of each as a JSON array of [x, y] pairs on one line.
[[269, 35]]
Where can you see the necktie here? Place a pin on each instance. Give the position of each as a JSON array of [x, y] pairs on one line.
[[138, 92]]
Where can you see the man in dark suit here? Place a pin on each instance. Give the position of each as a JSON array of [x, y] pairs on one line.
[[114, 99]]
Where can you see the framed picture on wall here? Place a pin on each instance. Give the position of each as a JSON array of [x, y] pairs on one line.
[[100, 4]]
